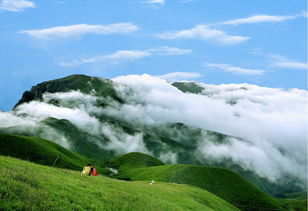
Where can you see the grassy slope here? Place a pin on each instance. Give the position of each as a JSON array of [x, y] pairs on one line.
[[40, 151], [29, 186], [297, 201], [223, 183]]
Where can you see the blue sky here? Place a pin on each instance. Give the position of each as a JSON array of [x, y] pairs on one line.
[[259, 42]]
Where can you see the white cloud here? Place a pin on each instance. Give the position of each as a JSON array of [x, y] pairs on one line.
[[42, 110], [156, 2], [169, 157], [16, 5], [261, 18], [166, 50], [128, 55], [8, 119], [78, 108], [265, 159], [280, 60], [122, 142], [233, 69], [187, 1], [81, 29], [291, 65], [203, 32], [179, 76], [118, 56], [273, 122], [286, 63]]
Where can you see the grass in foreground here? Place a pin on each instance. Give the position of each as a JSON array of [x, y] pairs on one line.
[[29, 186]]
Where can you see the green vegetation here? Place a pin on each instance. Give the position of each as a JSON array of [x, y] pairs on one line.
[[134, 166], [81, 142], [189, 87], [296, 201], [222, 182], [40, 151], [83, 83], [133, 160], [29, 186]]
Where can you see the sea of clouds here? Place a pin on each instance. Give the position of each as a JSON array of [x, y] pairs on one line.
[[273, 122], [268, 126]]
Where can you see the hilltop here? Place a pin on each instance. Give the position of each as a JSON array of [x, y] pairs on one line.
[[221, 182], [41, 151], [78, 82], [133, 160]]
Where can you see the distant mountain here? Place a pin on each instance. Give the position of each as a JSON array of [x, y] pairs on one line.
[[189, 87], [101, 119], [82, 83]]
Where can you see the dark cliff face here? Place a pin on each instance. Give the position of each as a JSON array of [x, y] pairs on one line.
[[26, 97], [82, 83], [188, 87]]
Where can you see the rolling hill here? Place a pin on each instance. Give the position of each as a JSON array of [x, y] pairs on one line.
[[41, 151], [296, 201], [221, 182], [133, 160], [29, 186]]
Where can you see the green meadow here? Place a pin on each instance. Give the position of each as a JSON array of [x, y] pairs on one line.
[[29, 186], [221, 182]]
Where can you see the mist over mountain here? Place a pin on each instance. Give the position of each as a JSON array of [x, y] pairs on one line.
[[256, 131]]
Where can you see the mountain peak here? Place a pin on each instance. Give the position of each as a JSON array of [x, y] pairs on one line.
[[78, 82]]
